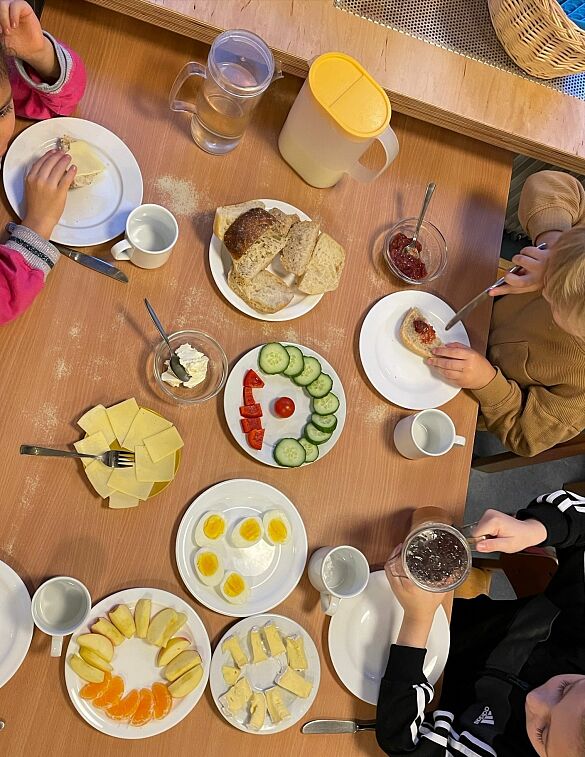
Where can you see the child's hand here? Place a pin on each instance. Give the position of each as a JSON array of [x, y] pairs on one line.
[[417, 603], [24, 38], [534, 262], [509, 534], [45, 191], [462, 366]]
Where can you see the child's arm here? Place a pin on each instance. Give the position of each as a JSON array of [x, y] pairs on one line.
[[551, 202], [47, 78]]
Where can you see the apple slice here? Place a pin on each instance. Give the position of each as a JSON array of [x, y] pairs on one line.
[[174, 647], [142, 617], [85, 671], [173, 627], [108, 630], [158, 626], [181, 664], [101, 645], [122, 618], [93, 659], [186, 683]]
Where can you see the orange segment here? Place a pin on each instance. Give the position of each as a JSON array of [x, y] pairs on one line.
[[92, 690], [111, 695], [143, 713], [162, 700], [125, 708]]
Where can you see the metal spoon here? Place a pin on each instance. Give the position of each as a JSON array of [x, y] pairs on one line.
[[410, 248], [176, 366]]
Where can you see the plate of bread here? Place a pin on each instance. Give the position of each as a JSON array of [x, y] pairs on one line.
[[271, 261], [107, 186], [397, 335]]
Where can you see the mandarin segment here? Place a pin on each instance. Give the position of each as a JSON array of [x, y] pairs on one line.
[[162, 700], [92, 690], [144, 711], [126, 707], [111, 695]]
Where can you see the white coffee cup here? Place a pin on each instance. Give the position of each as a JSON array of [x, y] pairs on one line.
[[338, 573], [59, 607], [430, 433], [151, 234]]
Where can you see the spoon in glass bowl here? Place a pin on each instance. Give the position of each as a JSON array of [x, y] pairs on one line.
[[411, 248], [175, 363]]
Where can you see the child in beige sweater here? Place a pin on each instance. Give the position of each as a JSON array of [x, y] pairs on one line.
[[531, 387]]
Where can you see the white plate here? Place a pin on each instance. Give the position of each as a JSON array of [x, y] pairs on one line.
[[261, 676], [362, 630], [272, 572], [220, 263], [93, 214], [16, 623], [275, 387], [397, 373], [135, 661]]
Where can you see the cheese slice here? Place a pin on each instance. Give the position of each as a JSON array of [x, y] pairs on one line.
[[233, 647], [85, 158], [258, 652], [257, 711], [230, 674], [273, 640], [146, 470], [276, 708], [120, 501], [165, 443], [236, 698], [98, 475], [95, 444], [295, 683], [145, 424], [124, 480], [295, 652], [96, 419], [121, 417]]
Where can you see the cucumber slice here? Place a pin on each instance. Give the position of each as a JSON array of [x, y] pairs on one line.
[[326, 423], [311, 449], [326, 405], [311, 371], [315, 436], [273, 358], [289, 453], [296, 365], [320, 386]]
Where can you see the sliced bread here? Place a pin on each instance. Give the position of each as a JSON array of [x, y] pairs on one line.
[[246, 229], [284, 221], [266, 292], [299, 247], [324, 269], [418, 334], [226, 215], [259, 255]]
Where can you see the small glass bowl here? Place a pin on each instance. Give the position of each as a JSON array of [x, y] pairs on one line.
[[217, 368], [434, 249]]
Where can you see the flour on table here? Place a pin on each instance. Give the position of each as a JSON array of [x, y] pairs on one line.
[[30, 486], [75, 331], [178, 195], [61, 369]]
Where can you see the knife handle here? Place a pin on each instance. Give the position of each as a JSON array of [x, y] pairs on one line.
[[365, 725]]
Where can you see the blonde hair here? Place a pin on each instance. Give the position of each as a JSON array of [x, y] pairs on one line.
[[564, 281]]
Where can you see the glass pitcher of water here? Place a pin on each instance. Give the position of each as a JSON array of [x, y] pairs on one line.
[[240, 67]]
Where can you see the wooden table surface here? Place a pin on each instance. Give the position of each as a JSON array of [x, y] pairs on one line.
[[423, 80], [88, 339]]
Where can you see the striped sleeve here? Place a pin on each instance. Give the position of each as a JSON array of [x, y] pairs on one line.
[[562, 513]]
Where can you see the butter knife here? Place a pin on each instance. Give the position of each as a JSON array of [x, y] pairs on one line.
[[96, 264], [338, 726]]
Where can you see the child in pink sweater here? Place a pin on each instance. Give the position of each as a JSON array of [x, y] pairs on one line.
[[39, 78]]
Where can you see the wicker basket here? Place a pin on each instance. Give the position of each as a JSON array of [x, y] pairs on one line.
[[539, 37]]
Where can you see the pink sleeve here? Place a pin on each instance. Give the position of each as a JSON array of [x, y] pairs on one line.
[[38, 100], [19, 284]]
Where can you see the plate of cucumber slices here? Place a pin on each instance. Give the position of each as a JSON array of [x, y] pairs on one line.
[[284, 404]]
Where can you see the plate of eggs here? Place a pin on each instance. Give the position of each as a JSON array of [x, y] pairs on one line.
[[241, 547]]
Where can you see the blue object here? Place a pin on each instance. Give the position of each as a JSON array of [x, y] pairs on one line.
[[575, 11]]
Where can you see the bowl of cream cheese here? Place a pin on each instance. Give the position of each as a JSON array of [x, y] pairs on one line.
[[202, 358]]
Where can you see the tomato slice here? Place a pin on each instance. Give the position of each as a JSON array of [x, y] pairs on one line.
[[284, 407], [250, 424], [255, 438], [249, 396], [253, 379], [251, 411]]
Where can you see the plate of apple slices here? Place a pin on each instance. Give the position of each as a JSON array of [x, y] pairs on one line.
[[139, 665]]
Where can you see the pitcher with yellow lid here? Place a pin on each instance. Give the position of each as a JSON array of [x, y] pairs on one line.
[[338, 113]]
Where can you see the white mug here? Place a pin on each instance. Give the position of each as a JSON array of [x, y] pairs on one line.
[[338, 573], [429, 433], [59, 607], [151, 234]]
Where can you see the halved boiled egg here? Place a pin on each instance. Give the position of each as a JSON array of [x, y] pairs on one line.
[[277, 528], [234, 588], [209, 567], [247, 532], [210, 529]]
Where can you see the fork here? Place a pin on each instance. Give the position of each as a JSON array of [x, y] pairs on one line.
[[113, 458]]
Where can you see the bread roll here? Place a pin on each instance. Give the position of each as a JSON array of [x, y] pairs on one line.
[[84, 157], [325, 267], [284, 221], [259, 255], [299, 247], [246, 229], [226, 215], [266, 292], [418, 335]]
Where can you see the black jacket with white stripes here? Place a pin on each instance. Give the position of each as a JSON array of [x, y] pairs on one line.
[[500, 650]]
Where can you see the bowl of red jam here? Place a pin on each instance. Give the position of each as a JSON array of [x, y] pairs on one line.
[[426, 262]]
